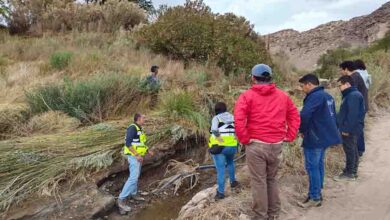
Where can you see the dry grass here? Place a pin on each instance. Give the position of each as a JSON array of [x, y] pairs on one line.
[[11, 118], [51, 122]]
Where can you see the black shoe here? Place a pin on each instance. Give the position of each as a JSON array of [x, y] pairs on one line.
[[234, 184], [219, 196]]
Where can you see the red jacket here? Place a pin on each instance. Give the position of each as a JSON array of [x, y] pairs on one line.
[[265, 113]]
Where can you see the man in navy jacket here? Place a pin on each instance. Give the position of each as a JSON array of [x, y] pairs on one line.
[[350, 121], [319, 131]]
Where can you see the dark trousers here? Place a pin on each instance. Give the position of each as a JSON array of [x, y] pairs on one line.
[[361, 144], [351, 154]]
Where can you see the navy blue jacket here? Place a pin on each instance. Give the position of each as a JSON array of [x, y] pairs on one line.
[[350, 118], [318, 120]]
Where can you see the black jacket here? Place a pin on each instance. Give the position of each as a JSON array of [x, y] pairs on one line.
[[361, 86]]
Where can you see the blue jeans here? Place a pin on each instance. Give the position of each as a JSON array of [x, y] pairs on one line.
[[314, 164], [222, 160], [130, 187]]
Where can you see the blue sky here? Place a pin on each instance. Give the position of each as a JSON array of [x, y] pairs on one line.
[[273, 15]]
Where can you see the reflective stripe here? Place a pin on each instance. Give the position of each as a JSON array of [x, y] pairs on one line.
[[138, 143], [227, 134]]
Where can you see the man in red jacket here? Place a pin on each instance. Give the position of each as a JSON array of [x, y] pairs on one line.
[[265, 117]]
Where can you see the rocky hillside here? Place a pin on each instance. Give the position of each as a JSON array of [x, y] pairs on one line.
[[304, 48]]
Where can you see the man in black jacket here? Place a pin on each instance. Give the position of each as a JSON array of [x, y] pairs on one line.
[[350, 121], [348, 68]]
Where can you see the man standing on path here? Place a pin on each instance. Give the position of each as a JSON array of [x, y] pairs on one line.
[[135, 149], [265, 117], [348, 68], [319, 131], [350, 121]]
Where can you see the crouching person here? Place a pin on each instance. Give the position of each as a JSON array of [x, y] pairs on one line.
[[223, 147], [135, 150]]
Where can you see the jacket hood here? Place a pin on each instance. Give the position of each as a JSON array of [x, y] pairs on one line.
[[264, 89], [226, 117], [349, 90]]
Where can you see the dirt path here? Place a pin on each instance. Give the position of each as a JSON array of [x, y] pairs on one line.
[[369, 197]]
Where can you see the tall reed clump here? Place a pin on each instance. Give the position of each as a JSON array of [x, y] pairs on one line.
[[184, 116], [91, 100], [39, 165]]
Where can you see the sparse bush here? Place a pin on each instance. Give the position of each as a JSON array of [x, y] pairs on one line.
[[193, 33], [35, 16], [60, 60]]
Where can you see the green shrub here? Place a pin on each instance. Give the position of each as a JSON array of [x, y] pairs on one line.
[[89, 101], [382, 44], [329, 62], [181, 106], [60, 60], [193, 33]]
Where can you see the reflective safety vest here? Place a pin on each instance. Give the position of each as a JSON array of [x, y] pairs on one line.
[[228, 135], [138, 143]]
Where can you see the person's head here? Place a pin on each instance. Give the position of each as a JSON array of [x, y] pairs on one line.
[[261, 73], [220, 107], [345, 82], [347, 67], [308, 82], [359, 64], [154, 69], [139, 119]]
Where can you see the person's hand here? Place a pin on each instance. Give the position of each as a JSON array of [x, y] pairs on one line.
[[140, 158], [345, 134], [151, 153], [220, 140]]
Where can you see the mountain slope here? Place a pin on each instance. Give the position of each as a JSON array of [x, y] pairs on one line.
[[304, 48]]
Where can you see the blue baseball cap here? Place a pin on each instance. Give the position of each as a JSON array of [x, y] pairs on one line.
[[261, 70]]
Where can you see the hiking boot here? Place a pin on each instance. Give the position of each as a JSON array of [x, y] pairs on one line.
[[234, 184], [310, 203], [123, 207], [344, 177], [219, 196], [137, 198]]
